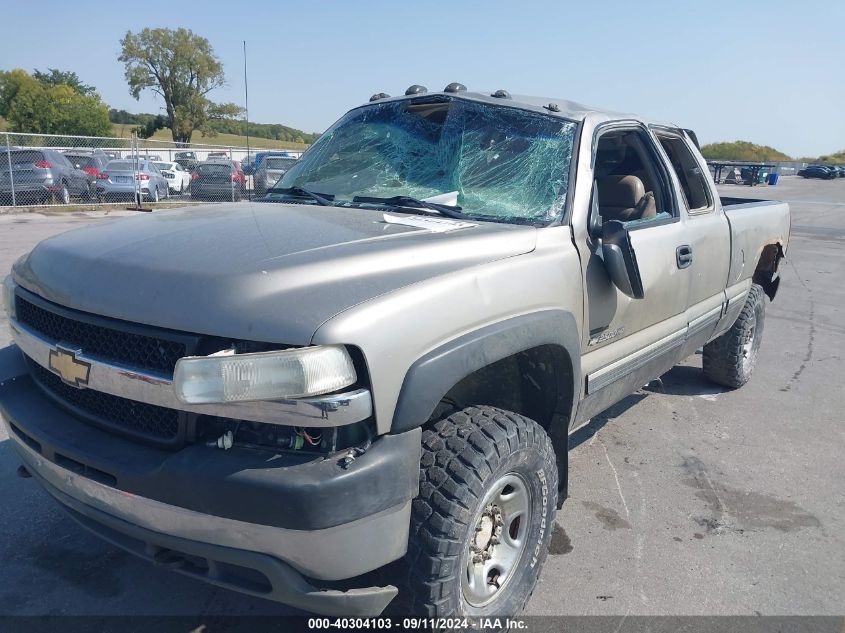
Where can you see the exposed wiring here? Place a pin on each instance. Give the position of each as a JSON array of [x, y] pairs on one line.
[[313, 440]]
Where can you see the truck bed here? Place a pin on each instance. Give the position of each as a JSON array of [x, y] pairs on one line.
[[754, 224]]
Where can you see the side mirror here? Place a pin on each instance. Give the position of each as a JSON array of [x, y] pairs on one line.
[[620, 260]]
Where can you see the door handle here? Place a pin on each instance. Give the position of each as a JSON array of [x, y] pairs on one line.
[[683, 255]]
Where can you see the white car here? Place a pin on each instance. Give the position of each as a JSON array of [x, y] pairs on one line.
[[178, 178]]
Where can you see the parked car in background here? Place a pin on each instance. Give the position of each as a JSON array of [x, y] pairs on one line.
[[40, 175], [111, 154], [839, 170], [239, 175], [248, 165], [147, 157], [120, 177], [268, 173], [260, 156], [92, 163], [817, 171], [178, 178], [218, 155], [188, 160], [217, 180]]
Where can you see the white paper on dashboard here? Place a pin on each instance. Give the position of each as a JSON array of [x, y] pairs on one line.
[[436, 225]]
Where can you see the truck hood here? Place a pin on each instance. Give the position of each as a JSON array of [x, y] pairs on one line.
[[259, 271]]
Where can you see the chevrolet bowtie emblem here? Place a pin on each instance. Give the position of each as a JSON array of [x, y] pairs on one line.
[[72, 371]]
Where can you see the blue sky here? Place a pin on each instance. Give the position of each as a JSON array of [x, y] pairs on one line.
[[771, 72]]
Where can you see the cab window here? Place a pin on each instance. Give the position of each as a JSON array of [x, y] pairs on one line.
[[630, 181], [694, 187]]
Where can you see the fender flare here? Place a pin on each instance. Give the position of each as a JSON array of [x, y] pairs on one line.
[[431, 376]]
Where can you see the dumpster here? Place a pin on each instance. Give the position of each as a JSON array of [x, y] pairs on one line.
[[773, 179]]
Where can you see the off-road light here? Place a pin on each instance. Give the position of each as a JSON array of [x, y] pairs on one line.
[[9, 296], [293, 373]]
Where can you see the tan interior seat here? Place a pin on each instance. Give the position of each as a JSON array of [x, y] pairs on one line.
[[624, 198]]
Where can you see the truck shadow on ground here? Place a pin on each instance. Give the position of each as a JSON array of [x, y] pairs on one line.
[[681, 380], [686, 380]]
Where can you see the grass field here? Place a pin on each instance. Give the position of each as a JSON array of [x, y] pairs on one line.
[[231, 140]]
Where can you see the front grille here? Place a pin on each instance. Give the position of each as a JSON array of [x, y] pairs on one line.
[[136, 350], [137, 418]]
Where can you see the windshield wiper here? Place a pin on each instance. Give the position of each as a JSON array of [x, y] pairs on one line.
[[408, 202], [302, 192]]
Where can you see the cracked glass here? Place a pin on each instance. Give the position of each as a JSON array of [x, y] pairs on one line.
[[504, 163]]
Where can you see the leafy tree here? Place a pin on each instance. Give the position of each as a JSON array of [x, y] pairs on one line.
[[54, 77], [11, 83], [182, 69], [152, 125], [30, 105], [123, 117]]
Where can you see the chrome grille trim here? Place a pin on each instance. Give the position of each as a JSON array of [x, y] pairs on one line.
[[157, 389]]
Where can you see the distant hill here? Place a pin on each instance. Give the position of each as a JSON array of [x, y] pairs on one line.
[[742, 150], [270, 131], [838, 158], [124, 130]]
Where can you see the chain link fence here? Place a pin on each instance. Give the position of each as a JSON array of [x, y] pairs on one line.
[[43, 169]]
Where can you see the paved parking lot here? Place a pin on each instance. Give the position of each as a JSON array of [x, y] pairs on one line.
[[685, 500]]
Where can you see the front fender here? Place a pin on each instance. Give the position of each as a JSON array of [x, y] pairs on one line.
[[431, 377]]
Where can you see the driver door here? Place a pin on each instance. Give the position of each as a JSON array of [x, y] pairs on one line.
[[629, 341]]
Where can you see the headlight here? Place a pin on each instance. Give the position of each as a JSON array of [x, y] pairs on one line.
[[306, 371], [9, 296]]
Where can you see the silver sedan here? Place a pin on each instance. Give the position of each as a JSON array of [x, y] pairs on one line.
[[126, 178]]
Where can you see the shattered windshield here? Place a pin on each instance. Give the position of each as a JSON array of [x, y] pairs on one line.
[[503, 163]]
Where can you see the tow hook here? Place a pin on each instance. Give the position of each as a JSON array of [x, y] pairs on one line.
[[225, 441]]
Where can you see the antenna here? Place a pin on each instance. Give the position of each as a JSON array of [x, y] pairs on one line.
[[246, 109]]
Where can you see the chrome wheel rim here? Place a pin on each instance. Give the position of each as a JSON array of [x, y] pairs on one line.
[[65, 195], [497, 541], [749, 347]]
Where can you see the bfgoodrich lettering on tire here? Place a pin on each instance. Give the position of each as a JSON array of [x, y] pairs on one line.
[[481, 526], [729, 360]]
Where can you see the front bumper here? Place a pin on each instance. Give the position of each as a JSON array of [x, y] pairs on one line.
[[241, 519]]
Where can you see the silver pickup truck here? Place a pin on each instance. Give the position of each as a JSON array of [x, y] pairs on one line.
[[357, 393]]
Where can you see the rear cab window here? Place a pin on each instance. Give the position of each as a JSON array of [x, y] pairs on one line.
[[694, 188]]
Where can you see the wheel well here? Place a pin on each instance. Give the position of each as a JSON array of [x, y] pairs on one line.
[[536, 383], [765, 274]]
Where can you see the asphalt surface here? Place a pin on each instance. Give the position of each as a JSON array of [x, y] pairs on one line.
[[684, 500]]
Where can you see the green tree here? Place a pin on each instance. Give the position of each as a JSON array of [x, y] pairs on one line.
[[54, 77], [78, 114], [151, 126], [30, 105], [182, 69], [11, 82]]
